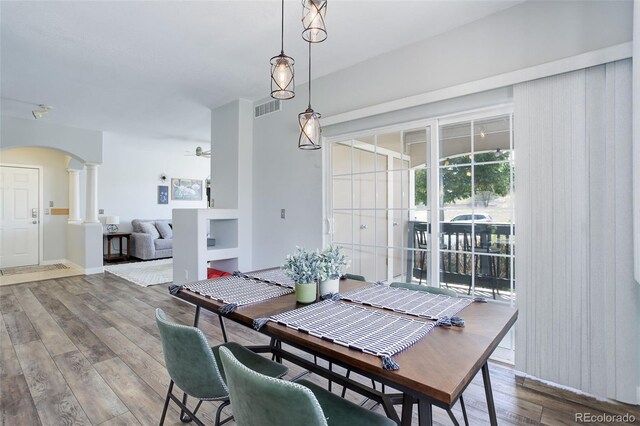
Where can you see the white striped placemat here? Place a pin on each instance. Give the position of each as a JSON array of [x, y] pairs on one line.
[[410, 302], [273, 275], [367, 330], [237, 290]]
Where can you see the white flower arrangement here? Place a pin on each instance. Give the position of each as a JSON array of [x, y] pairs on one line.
[[333, 262], [304, 266]]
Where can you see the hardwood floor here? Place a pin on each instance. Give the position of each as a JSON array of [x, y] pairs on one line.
[[85, 350]]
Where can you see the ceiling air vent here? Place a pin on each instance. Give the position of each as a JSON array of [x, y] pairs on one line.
[[266, 108]]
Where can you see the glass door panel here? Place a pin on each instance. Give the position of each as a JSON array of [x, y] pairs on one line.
[[476, 206]]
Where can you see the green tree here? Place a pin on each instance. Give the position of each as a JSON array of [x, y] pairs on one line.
[[491, 180]]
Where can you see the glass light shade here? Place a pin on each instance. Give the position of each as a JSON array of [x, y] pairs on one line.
[[313, 13], [309, 129], [282, 77]]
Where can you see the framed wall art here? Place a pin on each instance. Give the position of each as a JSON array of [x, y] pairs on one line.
[[163, 194], [186, 189]]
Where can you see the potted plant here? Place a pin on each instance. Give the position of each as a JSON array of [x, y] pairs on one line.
[[333, 263], [305, 268]]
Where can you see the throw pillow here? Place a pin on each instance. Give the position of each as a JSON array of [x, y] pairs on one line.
[[150, 228], [165, 230], [216, 273]]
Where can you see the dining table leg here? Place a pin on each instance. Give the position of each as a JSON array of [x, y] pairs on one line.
[[196, 317], [425, 414], [407, 410], [489, 394]]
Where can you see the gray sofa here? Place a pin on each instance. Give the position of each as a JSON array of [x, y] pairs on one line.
[[151, 239]]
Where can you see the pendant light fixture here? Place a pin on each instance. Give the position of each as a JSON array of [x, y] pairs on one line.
[[282, 74], [313, 13], [309, 122]]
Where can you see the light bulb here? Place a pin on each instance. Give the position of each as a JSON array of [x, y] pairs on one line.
[[310, 128], [282, 73], [282, 80]]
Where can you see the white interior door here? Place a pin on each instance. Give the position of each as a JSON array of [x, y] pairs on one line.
[[19, 215]]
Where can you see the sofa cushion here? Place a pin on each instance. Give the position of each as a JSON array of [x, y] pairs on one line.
[[165, 230], [150, 228], [162, 244], [135, 224]]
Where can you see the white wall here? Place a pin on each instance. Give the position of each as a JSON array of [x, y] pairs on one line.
[[232, 169], [129, 177], [82, 144], [636, 142], [55, 182], [529, 34], [83, 250], [284, 177]]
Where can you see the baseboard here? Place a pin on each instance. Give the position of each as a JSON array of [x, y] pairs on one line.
[[91, 271], [577, 396], [86, 271]]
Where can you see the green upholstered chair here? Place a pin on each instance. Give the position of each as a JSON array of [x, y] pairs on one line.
[[196, 368], [354, 277], [260, 400]]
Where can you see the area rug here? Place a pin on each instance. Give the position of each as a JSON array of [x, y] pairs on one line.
[[144, 273], [31, 268]]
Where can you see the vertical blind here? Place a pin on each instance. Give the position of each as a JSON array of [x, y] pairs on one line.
[[578, 301]]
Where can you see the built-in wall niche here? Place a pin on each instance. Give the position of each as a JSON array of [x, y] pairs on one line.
[[191, 253], [224, 232]]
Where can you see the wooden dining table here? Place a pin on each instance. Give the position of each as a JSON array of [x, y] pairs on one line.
[[433, 371]]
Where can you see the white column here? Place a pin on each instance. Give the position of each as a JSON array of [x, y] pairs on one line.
[[74, 195], [92, 194]]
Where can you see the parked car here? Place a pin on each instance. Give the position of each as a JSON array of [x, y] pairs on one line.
[[476, 217]]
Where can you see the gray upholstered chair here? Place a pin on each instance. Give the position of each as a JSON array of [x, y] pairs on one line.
[[196, 368], [259, 400]]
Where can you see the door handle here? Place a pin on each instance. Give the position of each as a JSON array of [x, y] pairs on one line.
[[363, 226], [395, 223], [35, 222]]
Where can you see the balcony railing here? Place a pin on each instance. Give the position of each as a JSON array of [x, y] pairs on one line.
[[482, 250]]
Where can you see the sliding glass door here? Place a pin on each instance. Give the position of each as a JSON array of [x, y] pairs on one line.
[[476, 204], [429, 204]]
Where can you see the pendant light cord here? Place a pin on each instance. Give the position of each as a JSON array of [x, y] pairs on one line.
[[309, 75], [282, 31]]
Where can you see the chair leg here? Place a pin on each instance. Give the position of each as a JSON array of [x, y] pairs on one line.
[[197, 407], [344, 390], [422, 257], [219, 411], [464, 411], [184, 418], [329, 380], [166, 403], [453, 418]]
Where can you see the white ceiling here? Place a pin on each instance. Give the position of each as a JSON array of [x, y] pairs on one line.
[[156, 68]]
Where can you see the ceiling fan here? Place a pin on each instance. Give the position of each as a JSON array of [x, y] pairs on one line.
[[200, 153]]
